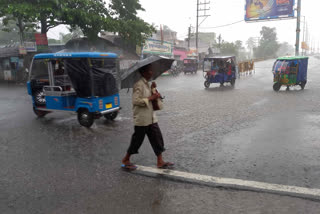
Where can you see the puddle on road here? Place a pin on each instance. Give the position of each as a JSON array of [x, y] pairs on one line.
[[260, 102]]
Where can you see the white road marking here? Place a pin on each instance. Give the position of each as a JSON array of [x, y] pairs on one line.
[[230, 182]]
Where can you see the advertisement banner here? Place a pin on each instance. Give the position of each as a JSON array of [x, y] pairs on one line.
[[30, 46], [157, 47], [41, 41], [304, 46], [22, 50], [192, 52], [268, 9]]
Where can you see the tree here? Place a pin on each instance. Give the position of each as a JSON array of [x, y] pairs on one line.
[[268, 46], [251, 44], [130, 27], [19, 13], [8, 34], [91, 16], [230, 48], [285, 49]]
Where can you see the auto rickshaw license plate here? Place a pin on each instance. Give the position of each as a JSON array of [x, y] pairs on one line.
[[109, 105]]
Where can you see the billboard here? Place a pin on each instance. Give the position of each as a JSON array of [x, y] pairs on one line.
[[268, 9], [157, 47]]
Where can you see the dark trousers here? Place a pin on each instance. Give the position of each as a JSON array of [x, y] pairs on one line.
[[155, 137]]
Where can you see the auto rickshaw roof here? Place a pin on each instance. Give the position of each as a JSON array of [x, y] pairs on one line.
[[76, 55], [292, 57]]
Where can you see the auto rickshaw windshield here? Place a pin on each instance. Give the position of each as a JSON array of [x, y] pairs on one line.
[[280, 66], [39, 69]]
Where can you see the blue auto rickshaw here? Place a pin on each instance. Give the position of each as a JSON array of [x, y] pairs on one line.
[[87, 83], [220, 69], [190, 65], [290, 71]]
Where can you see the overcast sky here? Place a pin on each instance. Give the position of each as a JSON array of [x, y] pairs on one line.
[[180, 14]]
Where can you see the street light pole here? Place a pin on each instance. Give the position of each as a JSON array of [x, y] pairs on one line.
[[197, 26], [298, 27]]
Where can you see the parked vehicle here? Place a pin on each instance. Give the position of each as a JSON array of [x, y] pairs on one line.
[[290, 71], [190, 65], [86, 83], [220, 69]]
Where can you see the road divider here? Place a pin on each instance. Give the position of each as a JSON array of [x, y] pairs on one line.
[[295, 191]]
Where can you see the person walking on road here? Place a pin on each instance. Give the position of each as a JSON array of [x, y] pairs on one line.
[[145, 121]]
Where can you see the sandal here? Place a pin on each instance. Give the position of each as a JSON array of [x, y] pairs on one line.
[[166, 165], [129, 166]]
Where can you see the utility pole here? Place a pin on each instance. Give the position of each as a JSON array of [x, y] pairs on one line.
[[219, 39], [189, 36], [204, 9], [298, 27], [304, 30]]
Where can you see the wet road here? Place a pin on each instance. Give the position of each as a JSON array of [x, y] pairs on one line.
[[250, 132]]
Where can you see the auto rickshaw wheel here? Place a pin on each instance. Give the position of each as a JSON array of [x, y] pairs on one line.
[[111, 116], [85, 118], [206, 84], [39, 97], [276, 86], [39, 113], [233, 81], [303, 84]]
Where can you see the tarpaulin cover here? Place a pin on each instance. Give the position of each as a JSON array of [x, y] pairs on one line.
[[100, 79], [282, 64]]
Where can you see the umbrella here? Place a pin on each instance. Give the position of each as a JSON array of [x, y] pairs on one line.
[[132, 75]]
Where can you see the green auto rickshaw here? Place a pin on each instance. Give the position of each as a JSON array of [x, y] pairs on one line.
[[290, 71]]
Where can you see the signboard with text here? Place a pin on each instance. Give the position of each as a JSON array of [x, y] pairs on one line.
[[152, 46], [30, 46], [257, 10]]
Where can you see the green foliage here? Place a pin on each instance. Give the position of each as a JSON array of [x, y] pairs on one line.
[[19, 12], [230, 48], [11, 33], [285, 49], [130, 27], [268, 46], [8, 36], [91, 16], [125, 9]]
